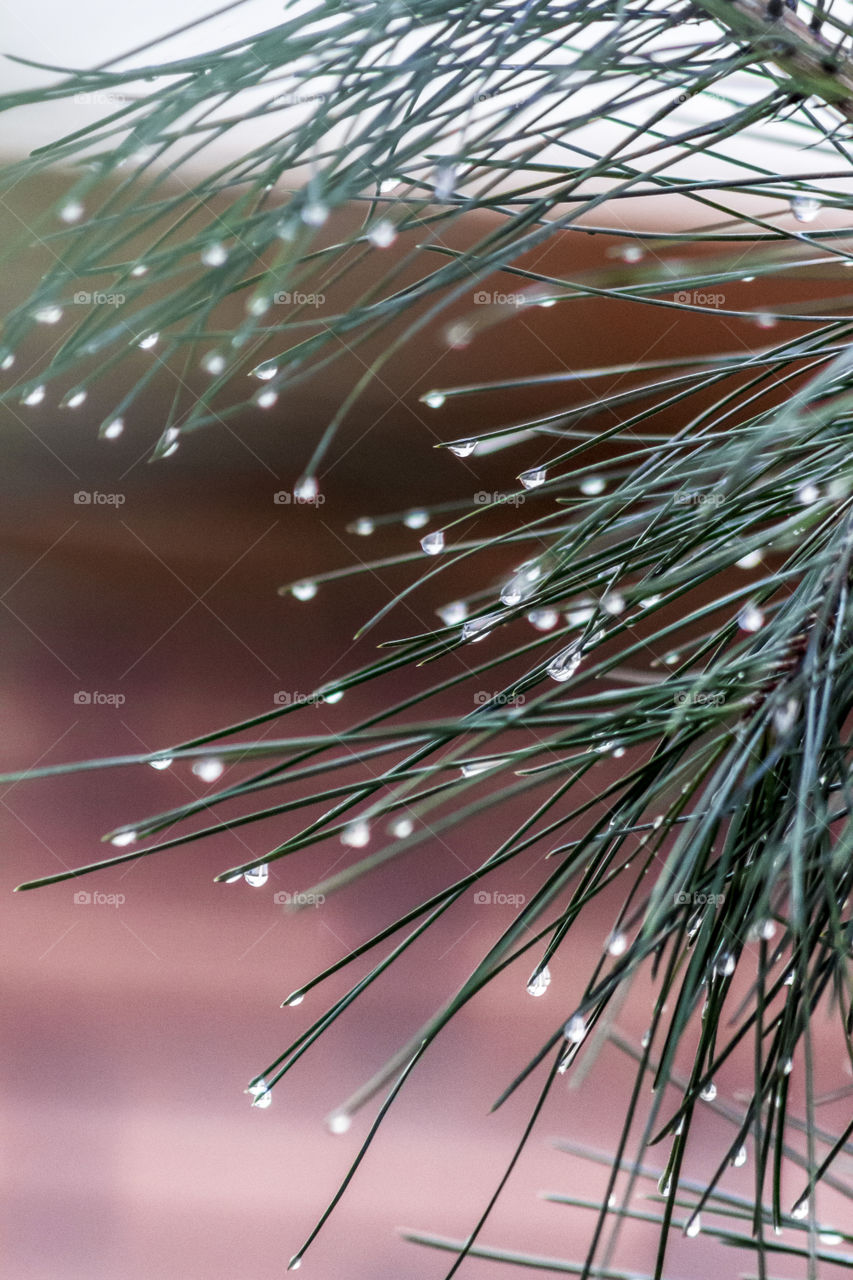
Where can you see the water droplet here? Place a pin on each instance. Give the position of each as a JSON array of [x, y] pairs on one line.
[[257, 876], [476, 629], [522, 584], [162, 762], [740, 1157], [805, 208], [213, 363], [463, 449], [566, 663], [150, 340], [122, 838], [214, 255], [539, 982], [613, 603], [645, 1039], [764, 320], [72, 211], [762, 931], [433, 543], [48, 314], [257, 1088], [266, 399], [416, 519], [294, 1264], [478, 766], [709, 1093], [265, 371], [434, 399], [7, 361], [259, 305], [263, 1100], [593, 485], [364, 527], [831, 1237], [402, 827], [800, 1210], [315, 213], [664, 1184], [356, 834], [618, 753], [534, 478], [747, 279], [787, 1066], [34, 397], [139, 270], [333, 697], [543, 619], [453, 613], [208, 770], [789, 978], [305, 590], [74, 399], [617, 944], [578, 617], [339, 1122], [306, 489], [750, 618], [382, 234], [694, 1226], [296, 999], [807, 494], [444, 181], [112, 430], [575, 1029]]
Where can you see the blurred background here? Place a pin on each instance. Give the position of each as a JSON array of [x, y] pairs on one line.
[[132, 1026]]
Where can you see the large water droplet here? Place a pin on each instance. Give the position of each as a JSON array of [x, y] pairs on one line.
[[617, 944], [416, 519], [478, 766], [664, 1184], [434, 399], [805, 208], [543, 619], [534, 478], [740, 1157], [34, 397], [709, 1093], [74, 399], [48, 314], [213, 363], [162, 762], [150, 340], [463, 448], [215, 254], [575, 1029], [292, 1001], [305, 590], [112, 430], [433, 543], [694, 1226], [566, 663], [578, 617], [724, 965], [800, 1210], [7, 361], [593, 485], [356, 834], [122, 838], [265, 371], [453, 613], [315, 213], [257, 876], [750, 618], [632, 253], [266, 399], [339, 1122], [263, 1100], [613, 603], [364, 526], [831, 1237], [402, 827], [306, 489], [257, 1088], [522, 584], [208, 770], [72, 211], [478, 628], [807, 494], [294, 1264], [750, 561], [539, 982], [444, 181], [382, 234]]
